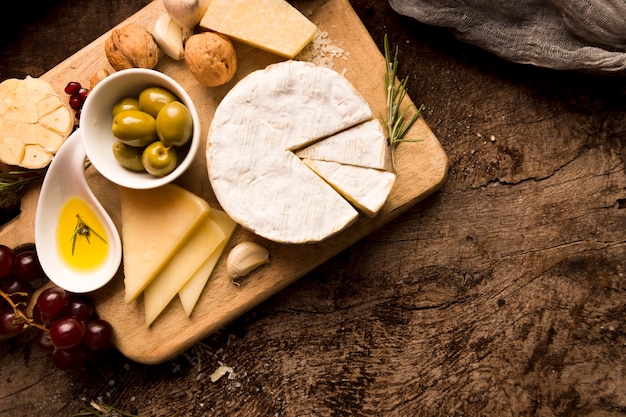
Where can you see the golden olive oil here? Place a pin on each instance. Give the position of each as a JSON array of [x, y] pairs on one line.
[[81, 238]]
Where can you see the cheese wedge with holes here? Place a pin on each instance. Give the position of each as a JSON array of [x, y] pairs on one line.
[[155, 224], [271, 25], [191, 291], [255, 175], [364, 145], [366, 188], [183, 265]]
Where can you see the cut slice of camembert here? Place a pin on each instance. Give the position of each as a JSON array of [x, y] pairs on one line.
[[254, 173], [155, 224], [363, 145], [366, 188], [272, 25]]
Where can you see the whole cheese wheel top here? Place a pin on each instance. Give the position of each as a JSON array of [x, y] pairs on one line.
[[256, 176]]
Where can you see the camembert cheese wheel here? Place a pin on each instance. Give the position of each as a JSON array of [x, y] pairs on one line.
[[256, 130]]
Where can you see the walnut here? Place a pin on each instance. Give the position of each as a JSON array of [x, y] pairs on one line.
[[211, 58], [132, 46]]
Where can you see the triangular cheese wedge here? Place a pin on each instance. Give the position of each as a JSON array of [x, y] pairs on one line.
[[272, 25], [183, 265], [155, 224], [363, 145], [190, 293], [366, 188]]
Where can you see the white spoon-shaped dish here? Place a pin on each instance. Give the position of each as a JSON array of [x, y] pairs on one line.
[[65, 179]]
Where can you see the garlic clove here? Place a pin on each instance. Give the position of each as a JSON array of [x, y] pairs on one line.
[[244, 258], [169, 36], [187, 13]]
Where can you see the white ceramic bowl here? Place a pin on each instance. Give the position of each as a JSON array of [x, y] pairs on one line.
[[98, 138]]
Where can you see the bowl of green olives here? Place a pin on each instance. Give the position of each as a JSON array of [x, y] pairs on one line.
[[140, 129]]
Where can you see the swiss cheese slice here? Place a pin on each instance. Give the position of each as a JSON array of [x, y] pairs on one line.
[[271, 25], [191, 291], [183, 265], [254, 174], [366, 188], [364, 145], [155, 224]]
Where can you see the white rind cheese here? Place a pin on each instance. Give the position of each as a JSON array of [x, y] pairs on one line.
[[364, 145], [254, 174], [366, 188], [272, 25]]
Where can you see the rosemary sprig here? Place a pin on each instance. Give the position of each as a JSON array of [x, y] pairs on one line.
[[396, 123], [83, 229], [14, 184]]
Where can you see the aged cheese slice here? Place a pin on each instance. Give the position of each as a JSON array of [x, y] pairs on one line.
[[271, 25], [183, 265], [190, 292], [256, 177], [155, 224], [366, 188], [363, 145]]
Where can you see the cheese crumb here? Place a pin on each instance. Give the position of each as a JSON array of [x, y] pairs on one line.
[[321, 51]]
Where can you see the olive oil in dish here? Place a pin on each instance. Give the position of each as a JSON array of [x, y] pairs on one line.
[[81, 237]]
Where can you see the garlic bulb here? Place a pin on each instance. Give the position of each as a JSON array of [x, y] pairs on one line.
[[187, 13], [244, 258]]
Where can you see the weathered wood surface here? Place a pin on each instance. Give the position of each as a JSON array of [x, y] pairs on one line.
[[502, 294]]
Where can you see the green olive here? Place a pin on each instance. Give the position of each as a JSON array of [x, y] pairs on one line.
[[152, 99], [158, 159], [174, 124], [127, 103], [134, 128], [128, 156]]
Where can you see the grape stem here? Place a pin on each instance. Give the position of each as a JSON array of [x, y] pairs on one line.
[[19, 313]]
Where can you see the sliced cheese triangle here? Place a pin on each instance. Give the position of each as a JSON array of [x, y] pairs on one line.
[[272, 25], [366, 188], [190, 292], [155, 224], [183, 265], [362, 145]]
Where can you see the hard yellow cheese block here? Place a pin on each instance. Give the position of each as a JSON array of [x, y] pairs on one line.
[[155, 224], [183, 265], [271, 25], [190, 292]]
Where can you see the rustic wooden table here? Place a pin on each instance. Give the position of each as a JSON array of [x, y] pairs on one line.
[[504, 293]]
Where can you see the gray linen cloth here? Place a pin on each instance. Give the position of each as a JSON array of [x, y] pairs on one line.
[[585, 35]]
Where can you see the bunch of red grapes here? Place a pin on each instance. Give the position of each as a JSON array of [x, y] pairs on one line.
[[66, 323]]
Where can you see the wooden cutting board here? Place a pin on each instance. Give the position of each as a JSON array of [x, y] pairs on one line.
[[421, 168]]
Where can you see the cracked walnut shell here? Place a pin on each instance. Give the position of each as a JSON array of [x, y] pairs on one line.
[[211, 58], [132, 46]]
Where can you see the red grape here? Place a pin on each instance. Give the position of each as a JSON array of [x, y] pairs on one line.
[[42, 339], [69, 359], [18, 290], [67, 332], [72, 87], [10, 324], [52, 302], [80, 308], [7, 261], [98, 334], [27, 266]]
